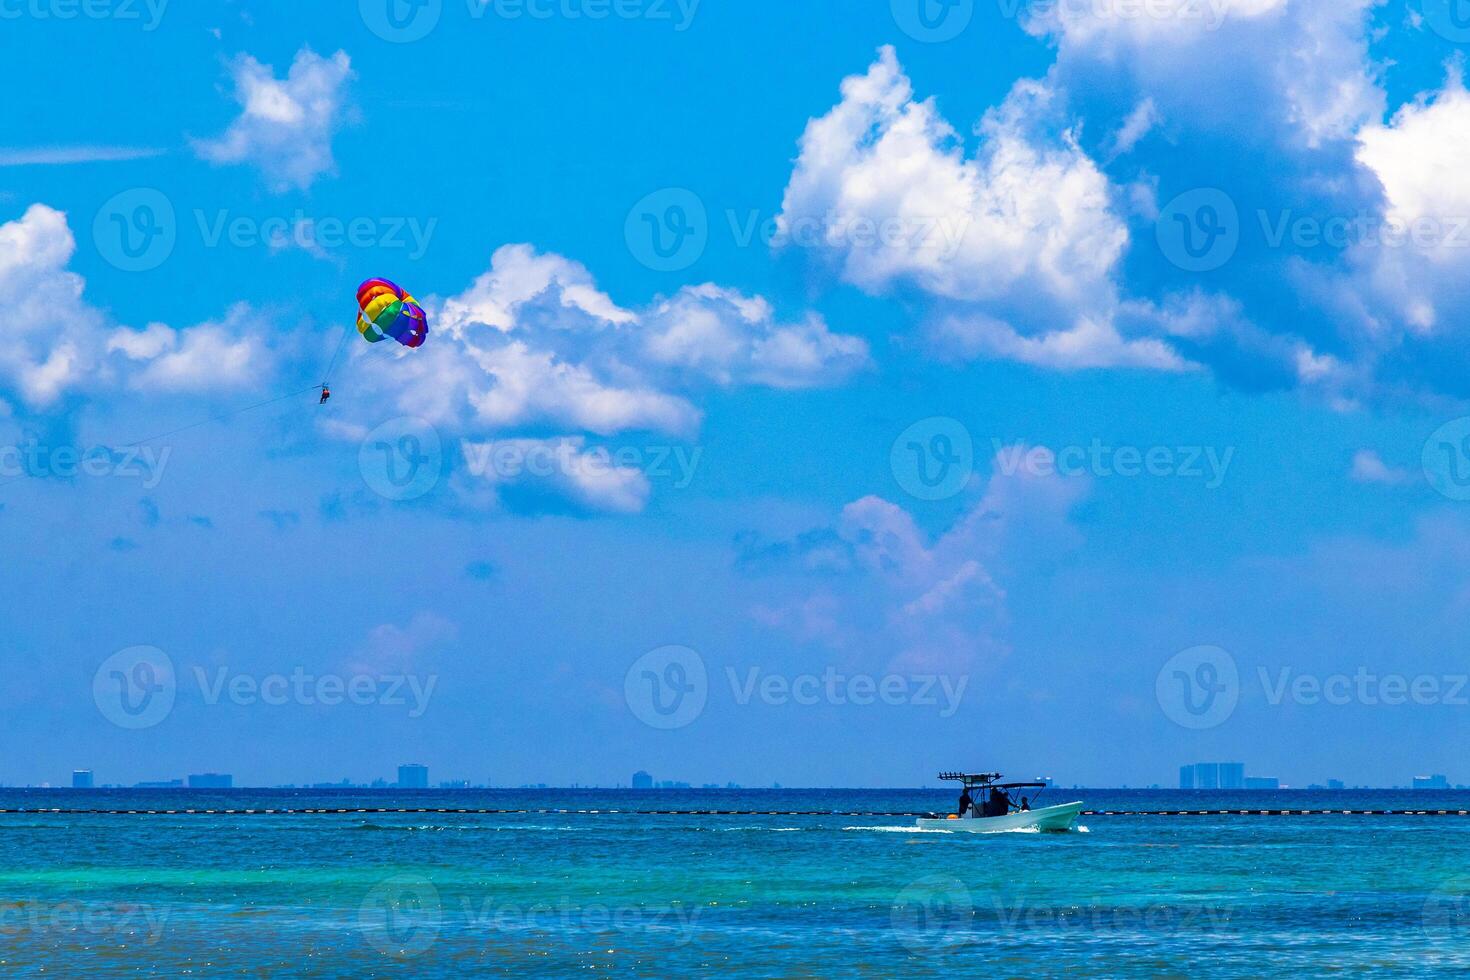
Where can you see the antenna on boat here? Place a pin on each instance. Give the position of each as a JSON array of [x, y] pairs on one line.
[[971, 779]]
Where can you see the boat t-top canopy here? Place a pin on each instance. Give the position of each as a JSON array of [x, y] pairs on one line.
[[986, 780]]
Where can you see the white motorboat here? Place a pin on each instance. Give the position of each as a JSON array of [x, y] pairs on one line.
[[992, 809]]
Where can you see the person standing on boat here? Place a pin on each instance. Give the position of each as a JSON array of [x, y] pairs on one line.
[[965, 802]]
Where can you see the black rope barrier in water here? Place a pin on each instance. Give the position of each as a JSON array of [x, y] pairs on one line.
[[477, 811]]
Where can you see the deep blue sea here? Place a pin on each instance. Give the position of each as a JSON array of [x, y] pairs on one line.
[[325, 895]]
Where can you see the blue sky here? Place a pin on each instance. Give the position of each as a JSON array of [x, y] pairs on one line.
[[1083, 384]]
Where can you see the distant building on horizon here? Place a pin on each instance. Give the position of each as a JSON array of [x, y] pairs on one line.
[[161, 784], [642, 780], [1436, 781], [413, 776], [455, 784], [81, 779], [1262, 782], [1334, 784], [211, 780], [1212, 775]]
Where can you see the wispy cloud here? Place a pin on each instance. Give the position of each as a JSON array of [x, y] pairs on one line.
[[43, 156], [1369, 467], [285, 125]]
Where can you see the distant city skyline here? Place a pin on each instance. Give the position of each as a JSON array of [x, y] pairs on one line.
[[416, 776]]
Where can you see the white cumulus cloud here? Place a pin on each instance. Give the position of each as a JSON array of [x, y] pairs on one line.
[[285, 126], [206, 357], [884, 184], [53, 344]]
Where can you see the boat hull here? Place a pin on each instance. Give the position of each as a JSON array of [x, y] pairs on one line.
[[1060, 817]]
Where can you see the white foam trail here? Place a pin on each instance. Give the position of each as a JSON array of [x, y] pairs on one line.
[[778, 830], [936, 830]]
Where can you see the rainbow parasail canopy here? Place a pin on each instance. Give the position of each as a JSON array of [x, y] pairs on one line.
[[387, 311]]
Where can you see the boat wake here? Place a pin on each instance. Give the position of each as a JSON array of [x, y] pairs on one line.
[[474, 827], [955, 833]]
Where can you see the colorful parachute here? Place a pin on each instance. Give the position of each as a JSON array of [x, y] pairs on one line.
[[387, 311]]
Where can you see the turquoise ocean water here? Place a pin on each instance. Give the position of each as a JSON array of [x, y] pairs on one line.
[[747, 896]]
